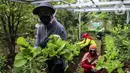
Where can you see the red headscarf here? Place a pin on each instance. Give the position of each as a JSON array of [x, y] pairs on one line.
[[85, 35]]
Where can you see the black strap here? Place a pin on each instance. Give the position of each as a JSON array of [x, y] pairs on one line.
[[93, 60]]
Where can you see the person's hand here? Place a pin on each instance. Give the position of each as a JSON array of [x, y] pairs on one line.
[[94, 69]]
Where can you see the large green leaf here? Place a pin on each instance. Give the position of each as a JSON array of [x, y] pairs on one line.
[[21, 41], [36, 52], [52, 45], [20, 62], [62, 47], [68, 55], [51, 52], [19, 56], [120, 70]]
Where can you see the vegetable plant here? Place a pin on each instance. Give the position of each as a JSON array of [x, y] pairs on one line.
[[32, 60]]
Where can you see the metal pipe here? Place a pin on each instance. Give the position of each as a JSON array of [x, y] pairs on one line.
[[96, 10], [128, 17], [79, 19], [90, 4], [95, 4], [36, 2]]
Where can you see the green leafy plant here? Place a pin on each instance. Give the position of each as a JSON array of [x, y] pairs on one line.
[[117, 49], [31, 59], [110, 59], [121, 34], [25, 60], [27, 52], [56, 47]]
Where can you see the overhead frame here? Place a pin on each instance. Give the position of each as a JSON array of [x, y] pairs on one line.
[[104, 8], [83, 7], [90, 7], [35, 1], [91, 4]]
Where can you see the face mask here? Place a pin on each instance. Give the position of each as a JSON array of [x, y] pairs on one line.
[[92, 52], [45, 19]]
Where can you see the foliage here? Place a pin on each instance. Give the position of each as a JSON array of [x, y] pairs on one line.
[[108, 19], [27, 52], [110, 59], [117, 19], [79, 69], [13, 17], [67, 18], [32, 58], [2, 60], [117, 49], [26, 60], [70, 20], [121, 35]]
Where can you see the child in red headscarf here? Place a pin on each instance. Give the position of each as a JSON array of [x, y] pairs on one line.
[[89, 60]]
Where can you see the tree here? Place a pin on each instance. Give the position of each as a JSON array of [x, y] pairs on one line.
[[15, 19]]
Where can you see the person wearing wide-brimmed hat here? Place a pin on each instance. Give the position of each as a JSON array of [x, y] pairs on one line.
[[49, 25]]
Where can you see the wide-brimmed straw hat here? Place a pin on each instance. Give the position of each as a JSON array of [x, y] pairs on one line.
[[44, 8]]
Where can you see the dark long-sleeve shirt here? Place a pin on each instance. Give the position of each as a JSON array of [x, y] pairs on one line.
[[44, 31]]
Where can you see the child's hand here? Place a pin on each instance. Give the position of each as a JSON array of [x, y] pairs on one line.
[[94, 69]]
